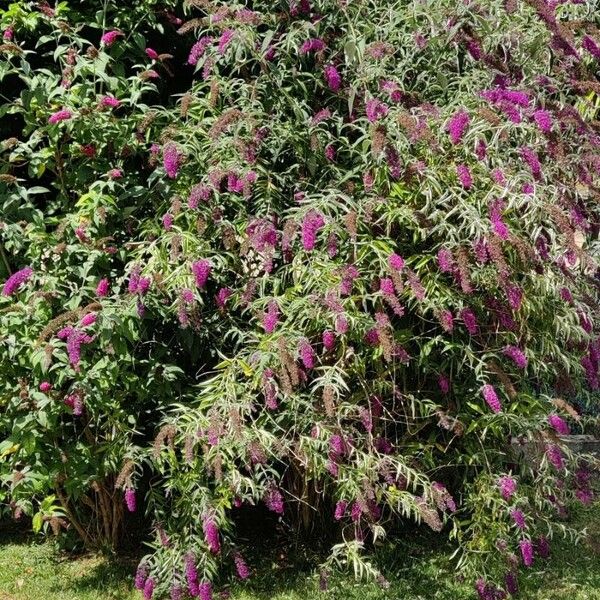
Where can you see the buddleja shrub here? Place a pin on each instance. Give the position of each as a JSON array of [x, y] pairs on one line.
[[82, 373], [365, 232]]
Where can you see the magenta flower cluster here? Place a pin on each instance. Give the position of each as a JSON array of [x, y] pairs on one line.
[[75, 339], [470, 320], [516, 355], [558, 424], [274, 500], [211, 535], [16, 280], [376, 109], [171, 160], [198, 49], [312, 45], [201, 270], [333, 78], [271, 317], [457, 126], [60, 115], [130, 500], [507, 486], [491, 397], [464, 176], [102, 288], [110, 37], [307, 354], [312, 223], [396, 262]]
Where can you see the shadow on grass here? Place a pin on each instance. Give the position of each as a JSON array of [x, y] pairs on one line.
[[416, 564], [418, 567], [113, 576], [573, 570], [31, 565]]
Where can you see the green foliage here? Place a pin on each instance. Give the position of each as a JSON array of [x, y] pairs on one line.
[[333, 262]]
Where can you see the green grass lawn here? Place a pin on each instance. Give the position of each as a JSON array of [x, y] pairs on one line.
[[30, 571]]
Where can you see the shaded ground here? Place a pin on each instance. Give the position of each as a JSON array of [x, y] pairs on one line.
[[34, 571]]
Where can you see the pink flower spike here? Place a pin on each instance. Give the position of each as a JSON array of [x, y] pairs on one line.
[[558, 424], [543, 119], [445, 260], [491, 397], [470, 320], [526, 552], [591, 46], [110, 37], [271, 317], [102, 288], [333, 78], [225, 40], [241, 567], [396, 262], [58, 116], [311, 225], [89, 319], [16, 280], [507, 486], [328, 340], [198, 49], [152, 54], [312, 45], [171, 160], [109, 102], [464, 176], [222, 296], [519, 518], [205, 591], [130, 500], [167, 221], [516, 355], [307, 354], [201, 270], [376, 109], [555, 457], [211, 535], [458, 125]]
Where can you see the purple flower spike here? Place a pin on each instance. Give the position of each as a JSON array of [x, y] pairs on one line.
[[526, 552], [458, 125], [507, 486], [211, 535], [516, 355], [558, 424], [130, 500], [333, 78], [201, 270], [241, 566], [61, 115], [16, 280], [171, 160], [205, 591], [491, 397]]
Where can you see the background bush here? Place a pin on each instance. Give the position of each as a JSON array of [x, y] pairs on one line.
[[326, 258]]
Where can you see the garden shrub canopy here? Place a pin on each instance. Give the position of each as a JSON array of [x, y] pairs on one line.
[[321, 257]]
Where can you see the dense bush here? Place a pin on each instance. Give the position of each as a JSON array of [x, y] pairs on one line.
[[327, 257]]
